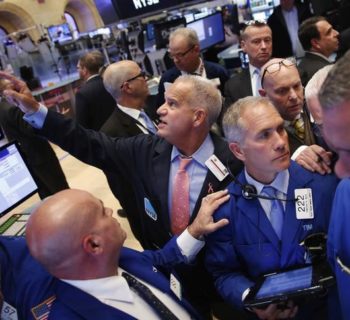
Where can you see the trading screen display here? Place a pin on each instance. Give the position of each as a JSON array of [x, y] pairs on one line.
[[286, 282], [16, 181], [60, 33], [210, 30]]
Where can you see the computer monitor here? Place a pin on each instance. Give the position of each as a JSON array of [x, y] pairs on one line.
[[162, 31], [16, 181], [150, 31], [60, 33], [210, 30]]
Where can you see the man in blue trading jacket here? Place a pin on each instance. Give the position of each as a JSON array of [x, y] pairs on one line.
[[184, 49], [76, 239], [264, 235], [151, 163], [334, 98]]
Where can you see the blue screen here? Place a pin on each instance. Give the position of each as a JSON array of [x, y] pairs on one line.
[[210, 30], [285, 282]]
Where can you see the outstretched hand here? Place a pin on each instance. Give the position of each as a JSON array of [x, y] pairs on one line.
[[20, 95], [204, 223]]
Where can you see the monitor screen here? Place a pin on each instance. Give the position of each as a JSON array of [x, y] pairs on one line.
[[60, 33], [162, 31], [16, 181], [210, 30], [150, 31]]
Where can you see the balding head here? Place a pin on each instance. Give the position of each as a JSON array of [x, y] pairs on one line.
[[282, 85], [72, 229], [116, 79]]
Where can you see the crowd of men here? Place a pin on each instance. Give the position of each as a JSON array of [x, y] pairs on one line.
[[214, 211]]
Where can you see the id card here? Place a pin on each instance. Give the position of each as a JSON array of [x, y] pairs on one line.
[[216, 167], [8, 312], [304, 206], [175, 286]]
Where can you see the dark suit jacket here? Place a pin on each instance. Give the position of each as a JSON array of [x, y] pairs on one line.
[[120, 124], [309, 65], [237, 87], [93, 104], [41, 158], [27, 286], [281, 43], [213, 70], [144, 161]]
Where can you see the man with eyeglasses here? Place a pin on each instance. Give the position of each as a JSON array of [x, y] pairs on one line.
[[281, 83], [319, 41], [184, 50], [169, 172], [126, 83], [93, 104], [266, 228], [256, 41]]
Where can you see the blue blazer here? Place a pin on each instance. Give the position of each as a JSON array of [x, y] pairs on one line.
[[339, 244], [248, 247], [26, 285], [213, 70]]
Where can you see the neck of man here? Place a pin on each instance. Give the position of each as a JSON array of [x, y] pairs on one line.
[[131, 102], [192, 143], [196, 66]]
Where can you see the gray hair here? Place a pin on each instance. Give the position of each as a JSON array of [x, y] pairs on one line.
[[115, 75], [189, 34], [203, 93], [336, 88], [233, 125]]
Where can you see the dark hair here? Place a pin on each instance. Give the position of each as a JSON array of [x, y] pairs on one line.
[[92, 61], [308, 31]]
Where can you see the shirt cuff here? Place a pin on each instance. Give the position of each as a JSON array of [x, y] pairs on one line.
[[37, 118], [297, 152], [188, 245]]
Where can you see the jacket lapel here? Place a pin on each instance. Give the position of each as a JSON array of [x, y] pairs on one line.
[[298, 179], [85, 305], [211, 183], [253, 211], [161, 165]]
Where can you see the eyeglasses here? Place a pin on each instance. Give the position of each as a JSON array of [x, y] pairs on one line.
[[141, 74], [275, 67], [180, 54], [253, 23]]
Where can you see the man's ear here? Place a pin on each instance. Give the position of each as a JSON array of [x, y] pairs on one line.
[[199, 116], [242, 43], [262, 92], [237, 150], [315, 44], [92, 244]]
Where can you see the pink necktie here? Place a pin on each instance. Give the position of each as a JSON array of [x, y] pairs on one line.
[[180, 212]]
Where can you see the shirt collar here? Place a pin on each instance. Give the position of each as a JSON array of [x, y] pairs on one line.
[[134, 113], [280, 183], [93, 76], [201, 155], [111, 288], [319, 54], [252, 70]]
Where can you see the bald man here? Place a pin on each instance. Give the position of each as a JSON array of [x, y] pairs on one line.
[[126, 83], [76, 239], [281, 83]]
